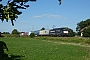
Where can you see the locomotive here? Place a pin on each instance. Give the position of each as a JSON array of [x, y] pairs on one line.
[[52, 32], [58, 32]]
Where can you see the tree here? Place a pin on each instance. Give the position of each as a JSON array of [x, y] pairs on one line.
[[5, 33], [43, 28], [82, 25], [0, 34], [11, 10], [15, 31], [71, 33], [32, 35], [60, 1]]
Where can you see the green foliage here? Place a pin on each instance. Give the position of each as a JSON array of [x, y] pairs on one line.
[[60, 1], [5, 33], [86, 32], [15, 31], [0, 34], [32, 35], [83, 24], [78, 33], [11, 10], [43, 28], [71, 33]]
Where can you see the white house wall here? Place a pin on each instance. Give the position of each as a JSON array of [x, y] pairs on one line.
[[44, 32]]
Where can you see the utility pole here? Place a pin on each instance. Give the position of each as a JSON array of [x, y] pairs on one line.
[[33, 28], [53, 26]]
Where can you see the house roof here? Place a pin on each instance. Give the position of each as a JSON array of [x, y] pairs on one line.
[[84, 28]]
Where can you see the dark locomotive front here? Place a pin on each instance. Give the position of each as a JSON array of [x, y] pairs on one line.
[[58, 32]]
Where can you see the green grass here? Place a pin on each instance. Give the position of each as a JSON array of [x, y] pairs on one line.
[[37, 49]]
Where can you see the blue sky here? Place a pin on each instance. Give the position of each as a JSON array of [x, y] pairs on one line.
[[46, 13]]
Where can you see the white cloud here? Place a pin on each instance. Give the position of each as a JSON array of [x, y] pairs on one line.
[[23, 22], [37, 16], [65, 18], [55, 16], [51, 16]]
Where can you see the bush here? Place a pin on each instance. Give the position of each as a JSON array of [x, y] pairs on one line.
[[71, 32], [0, 34], [32, 35], [15, 31]]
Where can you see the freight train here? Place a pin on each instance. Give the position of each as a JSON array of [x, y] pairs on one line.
[[52, 32]]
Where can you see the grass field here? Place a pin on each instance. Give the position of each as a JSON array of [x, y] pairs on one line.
[[42, 49]]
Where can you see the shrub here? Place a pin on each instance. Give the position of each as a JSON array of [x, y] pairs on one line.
[[15, 31], [0, 34], [71, 32], [32, 35]]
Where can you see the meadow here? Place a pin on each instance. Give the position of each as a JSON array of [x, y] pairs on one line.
[[46, 48]]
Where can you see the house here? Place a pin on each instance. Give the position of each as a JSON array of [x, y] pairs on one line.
[[83, 29]]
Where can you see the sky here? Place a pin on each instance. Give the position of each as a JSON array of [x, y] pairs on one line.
[[48, 13]]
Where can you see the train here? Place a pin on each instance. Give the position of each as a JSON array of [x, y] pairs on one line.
[[52, 32]]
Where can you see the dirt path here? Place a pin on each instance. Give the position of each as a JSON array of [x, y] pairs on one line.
[[77, 44]]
